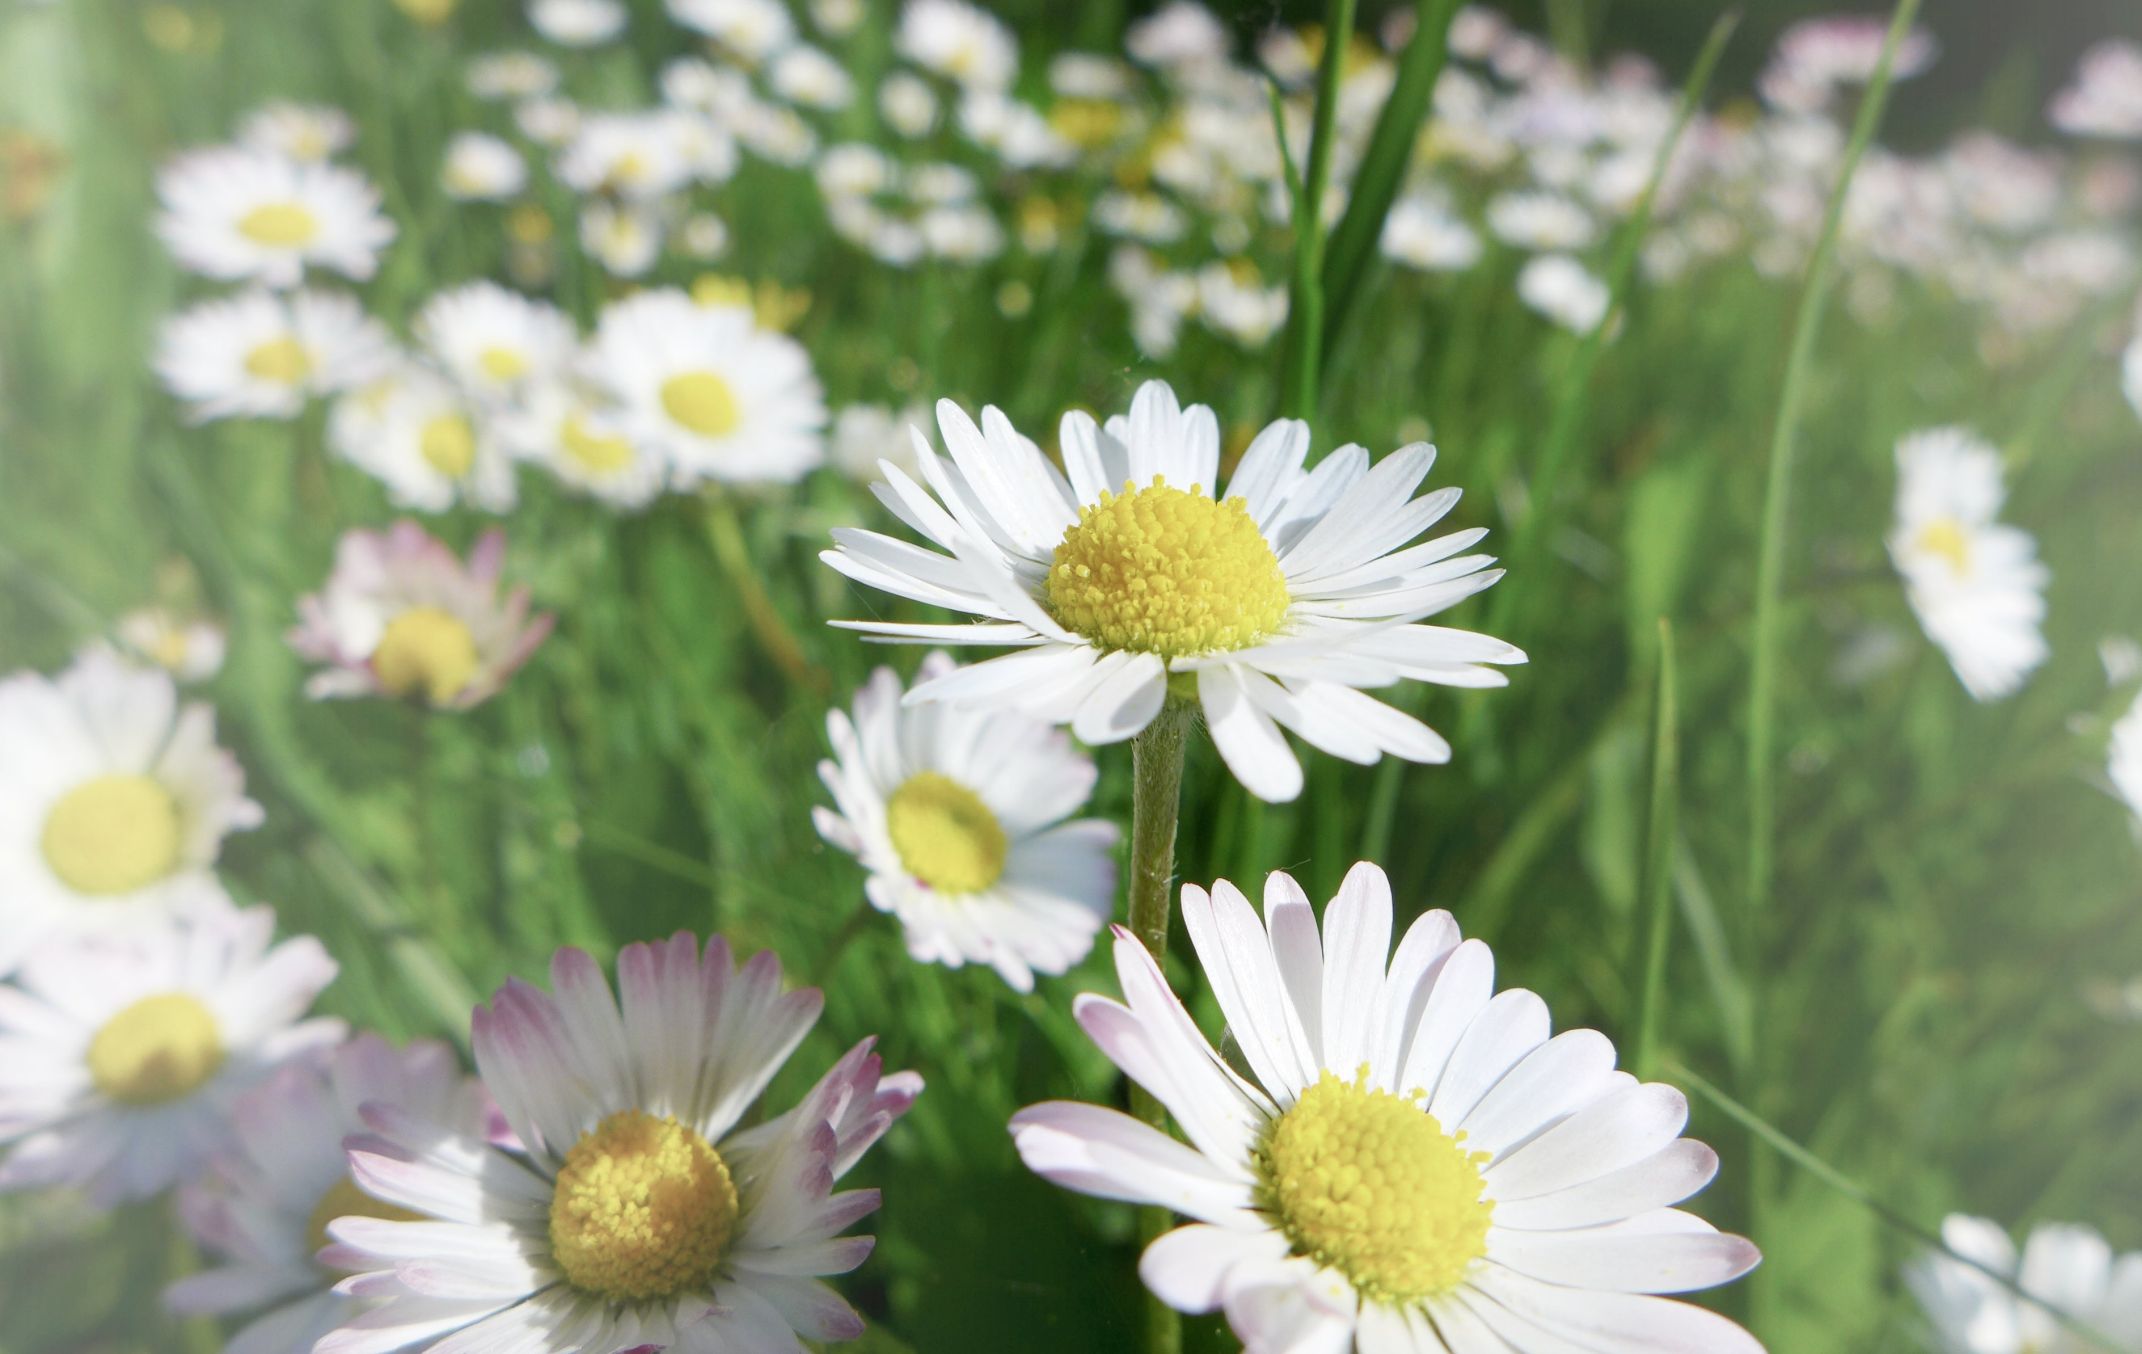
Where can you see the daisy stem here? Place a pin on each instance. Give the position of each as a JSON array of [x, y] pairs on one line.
[[725, 532], [1156, 803]]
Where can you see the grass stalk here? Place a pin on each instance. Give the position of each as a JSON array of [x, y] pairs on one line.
[[1655, 886], [1302, 359], [725, 533]]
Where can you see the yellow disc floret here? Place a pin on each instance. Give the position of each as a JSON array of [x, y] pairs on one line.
[[280, 361], [344, 1200], [113, 834], [597, 453], [447, 443], [502, 363], [644, 1208], [1369, 1184], [159, 1049], [946, 836], [702, 402], [425, 652], [1167, 571], [1945, 537], [280, 225]]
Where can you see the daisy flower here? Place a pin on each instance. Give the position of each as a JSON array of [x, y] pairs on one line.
[[572, 432], [640, 1210], [120, 1055], [624, 237], [1565, 291], [706, 388], [634, 156], [401, 616], [480, 167], [2066, 1267], [1540, 220], [1975, 583], [495, 342], [299, 131], [805, 75], [1128, 580], [2105, 98], [964, 44], [959, 815], [865, 434], [114, 802], [234, 213], [1422, 232], [261, 354], [511, 75], [1416, 1166], [263, 1209], [417, 434], [190, 650], [577, 23], [2124, 759], [751, 29]]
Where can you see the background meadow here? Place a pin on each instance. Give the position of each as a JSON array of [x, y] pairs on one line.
[[1936, 997]]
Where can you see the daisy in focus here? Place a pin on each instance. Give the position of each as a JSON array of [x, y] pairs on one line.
[[264, 355], [2067, 1267], [1975, 583], [114, 802], [121, 1055], [403, 617], [959, 815], [1127, 582], [638, 1210], [235, 214], [263, 1210], [1417, 1164]]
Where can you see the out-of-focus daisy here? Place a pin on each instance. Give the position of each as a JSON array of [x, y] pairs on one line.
[[718, 397], [495, 342], [549, 121], [837, 18], [191, 650], [1129, 580], [263, 355], [805, 75], [2066, 1267], [300, 131], [908, 104], [480, 167], [511, 75], [964, 44], [430, 13], [234, 213], [577, 23], [115, 800], [572, 432], [1540, 220], [959, 815], [263, 1209], [1181, 33], [2124, 759], [416, 433], [402, 616], [1563, 290], [1976, 583], [1422, 232], [1416, 1163], [865, 434], [751, 29], [640, 1210], [1816, 57], [2106, 96], [636, 156], [120, 1055]]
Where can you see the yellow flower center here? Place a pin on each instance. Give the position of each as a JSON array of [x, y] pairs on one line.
[[1086, 122], [945, 834], [280, 225], [430, 13], [113, 834], [1160, 570], [1369, 1184], [643, 1208], [168, 650], [157, 1050], [344, 1200], [425, 651], [702, 402], [448, 444], [1945, 537], [502, 364], [284, 361]]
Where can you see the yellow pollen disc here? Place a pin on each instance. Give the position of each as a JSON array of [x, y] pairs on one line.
[[425, 652], [502, 364], [591, 450], [157, 1050], [280, 225], [1369, 1184], [945, 834], [169, 650], [702, 402], [1945, 537], [1167, 571], [344, 1200], [448, 445], [643, 1208], [112, 835], [284, 361]]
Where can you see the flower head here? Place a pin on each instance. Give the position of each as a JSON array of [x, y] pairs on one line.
[[2067, 1269], [261, 354], [235, 213]]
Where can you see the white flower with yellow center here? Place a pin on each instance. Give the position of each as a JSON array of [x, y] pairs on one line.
[[1565, 291], [234, 213], [427, 442], [511, 75], [639, 1210], [624, 237], [1976, 584], [402, 617], [261, 354], [114, 803], [480, 167], [707, 389], [1128, 580], [865, 434], [964, 44], [960, 817], [494, 342], [121, 1055], [1417, 1165], [301, 131], [806, 75], [1422, 232], [262, 1211], [752, 30], [191, 650], [575, 434], [577, 23], [2065, 1267], [640, 157]]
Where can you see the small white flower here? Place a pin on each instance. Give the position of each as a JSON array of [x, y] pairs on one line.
[[480, 167], [964, 44], [1540, 220], [1422, 232], [837, 18], [804, 74], [908, 104], [1563, 290], [120, 1055], [752, 29], [959, 816], [1181, 33], [577, 23], [261, 354], [2105, 99], [2124, 759], [190, 650], [303, 132], [625, 238], [864, 434], [571, 431], [2067, 1267], [635, 156], [417, 434], [549, 121], [234, 214], [496, 343], [511, 75]]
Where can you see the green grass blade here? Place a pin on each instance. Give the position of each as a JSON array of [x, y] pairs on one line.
[[1301, 356], [1655, 889]]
